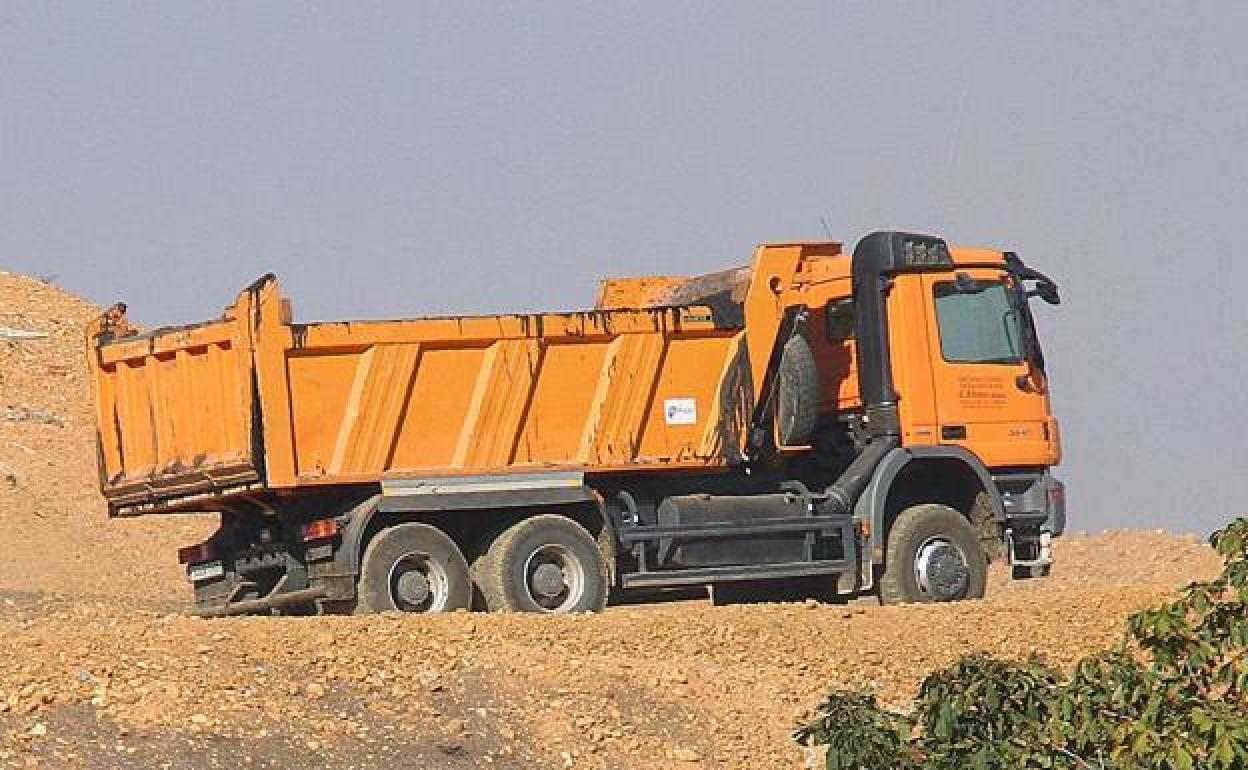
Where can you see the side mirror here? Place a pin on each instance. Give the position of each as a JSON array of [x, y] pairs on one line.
[[1046, 291]]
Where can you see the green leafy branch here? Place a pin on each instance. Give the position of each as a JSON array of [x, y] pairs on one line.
[[1173, 695]]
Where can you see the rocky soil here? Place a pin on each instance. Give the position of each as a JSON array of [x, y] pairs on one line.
[[100, 669]]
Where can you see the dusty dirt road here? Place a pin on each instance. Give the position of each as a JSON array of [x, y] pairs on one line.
[[100, 669]]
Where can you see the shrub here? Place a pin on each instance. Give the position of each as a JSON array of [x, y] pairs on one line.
[[1172, 696], [858, 734]]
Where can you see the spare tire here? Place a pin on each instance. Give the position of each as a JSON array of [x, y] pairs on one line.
[[797, 393]]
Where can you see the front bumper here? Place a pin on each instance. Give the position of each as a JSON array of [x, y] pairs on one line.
[[1034, 500], [1035, 513]]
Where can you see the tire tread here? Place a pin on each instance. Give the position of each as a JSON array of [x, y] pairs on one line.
[[797, 393], [490, 571], [371, 597], [892, 584]]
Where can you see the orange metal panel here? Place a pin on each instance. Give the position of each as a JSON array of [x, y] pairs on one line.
[[483, 330], [104, 392], [134, 424], [270, 339], [499, 398], [173, 410], [621, 399], [320, 391], [911, 359], [621, 293], [516, 403], [766, 302], [429, 428], [370, 421], [682, 398], [728, 414], [560, 405]]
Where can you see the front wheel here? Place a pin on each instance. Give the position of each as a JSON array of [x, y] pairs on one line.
[[413, 568], [933, 555], [544, 563]]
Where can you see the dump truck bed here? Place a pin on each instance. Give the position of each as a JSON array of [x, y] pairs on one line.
[[193, 415]]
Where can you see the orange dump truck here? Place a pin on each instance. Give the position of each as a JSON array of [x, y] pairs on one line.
[[816, 424]]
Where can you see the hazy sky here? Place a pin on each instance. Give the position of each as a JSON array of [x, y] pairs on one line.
[[399, 159]]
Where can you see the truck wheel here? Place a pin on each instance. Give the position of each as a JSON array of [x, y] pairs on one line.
[[545, 563], [933, 555], [413, 568], [797, 393]]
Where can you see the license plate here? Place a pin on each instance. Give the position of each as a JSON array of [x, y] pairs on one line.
[[205, 571]]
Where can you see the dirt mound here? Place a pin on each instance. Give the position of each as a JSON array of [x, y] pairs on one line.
[[1118, 558], [1129, 557], [44, 404], [54, 533], [98, 676], [677, 685]]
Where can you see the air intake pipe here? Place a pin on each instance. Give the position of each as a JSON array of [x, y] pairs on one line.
[[840, 496]]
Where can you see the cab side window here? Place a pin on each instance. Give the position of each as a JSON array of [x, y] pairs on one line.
[[978, 323], [839, 320]]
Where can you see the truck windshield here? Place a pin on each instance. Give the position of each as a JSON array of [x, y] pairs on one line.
[[979, 323]]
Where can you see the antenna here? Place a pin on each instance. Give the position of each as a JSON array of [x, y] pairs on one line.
[[951, 156], [826, 230]]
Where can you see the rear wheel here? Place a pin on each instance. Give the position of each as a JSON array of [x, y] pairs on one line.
[[933, 555], [413, 568], [545, 563]]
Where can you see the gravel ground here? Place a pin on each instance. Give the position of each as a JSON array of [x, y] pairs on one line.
[[101, 669], [633, 687]]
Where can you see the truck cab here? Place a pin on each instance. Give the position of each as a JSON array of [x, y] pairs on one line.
[[947, 363], [913, 370]]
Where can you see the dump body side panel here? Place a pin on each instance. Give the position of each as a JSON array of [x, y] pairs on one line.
[[513, 393]]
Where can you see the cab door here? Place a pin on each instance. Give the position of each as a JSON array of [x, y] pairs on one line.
[[990, 398]]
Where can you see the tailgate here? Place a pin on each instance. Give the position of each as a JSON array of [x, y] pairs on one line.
[[175, 409]]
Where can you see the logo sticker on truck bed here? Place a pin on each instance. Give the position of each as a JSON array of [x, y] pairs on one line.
[[680, 411]]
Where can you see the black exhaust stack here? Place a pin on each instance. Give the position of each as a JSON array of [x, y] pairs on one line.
[[877, 257]]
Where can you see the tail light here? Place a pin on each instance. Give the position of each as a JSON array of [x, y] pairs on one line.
[[195, 554], [321, 529]]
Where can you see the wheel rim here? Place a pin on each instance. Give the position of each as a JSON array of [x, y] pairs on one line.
[[417, 583], [554, 578], [940, 569]]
